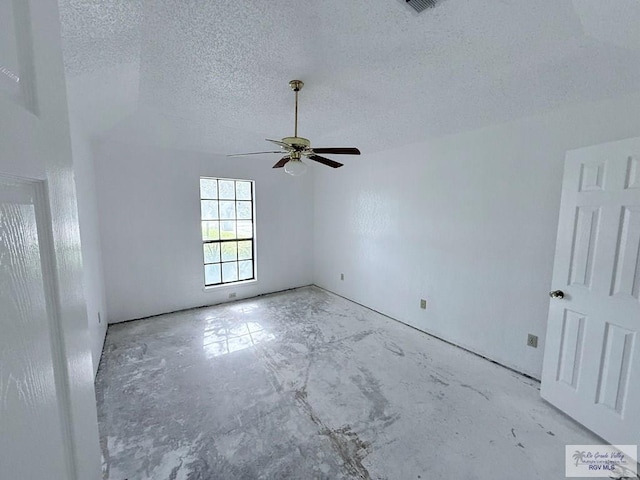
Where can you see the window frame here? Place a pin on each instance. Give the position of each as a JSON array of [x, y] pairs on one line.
[[221, 241]]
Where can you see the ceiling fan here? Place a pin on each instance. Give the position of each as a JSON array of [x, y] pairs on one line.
[[297, 147]]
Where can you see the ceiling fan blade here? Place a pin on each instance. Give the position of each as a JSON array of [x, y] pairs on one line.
[[324, 161], [282, 162], [338, 150], [253, 153], [282, 144]]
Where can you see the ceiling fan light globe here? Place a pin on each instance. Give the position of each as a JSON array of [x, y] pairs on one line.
[[295, 168]]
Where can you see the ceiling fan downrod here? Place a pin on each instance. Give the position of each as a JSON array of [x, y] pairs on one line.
[[296, 86]]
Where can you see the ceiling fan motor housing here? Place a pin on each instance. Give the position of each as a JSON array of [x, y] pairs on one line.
[[298, 143]]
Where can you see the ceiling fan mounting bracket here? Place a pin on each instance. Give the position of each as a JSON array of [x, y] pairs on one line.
[[296, 85]]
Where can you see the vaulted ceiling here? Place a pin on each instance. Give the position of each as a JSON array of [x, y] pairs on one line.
[[212, 75]]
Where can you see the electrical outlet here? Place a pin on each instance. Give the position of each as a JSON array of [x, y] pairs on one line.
[[232, 295], [99, 319], [532, 341], [342, 276], [423, 304]]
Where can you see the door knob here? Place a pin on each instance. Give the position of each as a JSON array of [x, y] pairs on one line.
[[556, 294]]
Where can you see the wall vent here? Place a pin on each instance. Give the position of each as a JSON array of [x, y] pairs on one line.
[[421, 5]]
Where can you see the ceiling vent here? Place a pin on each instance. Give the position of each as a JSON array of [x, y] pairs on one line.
[[421, 5]]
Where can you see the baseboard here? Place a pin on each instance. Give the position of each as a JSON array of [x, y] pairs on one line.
[[463, 347]]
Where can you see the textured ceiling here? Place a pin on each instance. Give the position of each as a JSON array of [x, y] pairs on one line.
[[212, 75]]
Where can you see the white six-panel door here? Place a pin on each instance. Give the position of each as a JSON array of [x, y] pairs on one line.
[[48, 422], [33, 421], [592, 355]]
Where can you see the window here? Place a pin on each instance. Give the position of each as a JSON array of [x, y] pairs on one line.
[[226, 213]]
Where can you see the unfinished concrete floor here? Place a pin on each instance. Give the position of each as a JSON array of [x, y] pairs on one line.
[[306, 385]]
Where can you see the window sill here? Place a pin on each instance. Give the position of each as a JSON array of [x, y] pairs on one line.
[[228, 285]]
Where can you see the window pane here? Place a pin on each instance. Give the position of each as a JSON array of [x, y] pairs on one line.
[[243, 190], [244, 210], [246, 269], [211, 252], [209, 209], [208, 188], [227, 190], [228, 230], [229, 251], [226, 213], [230, 272], [228, 210], [212, 274], [210, 230], [245, 229], [245, 250]]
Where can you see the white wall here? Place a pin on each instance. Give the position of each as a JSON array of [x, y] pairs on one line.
[[92, 272], [150, 227], [467, 222], [97, 100]]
